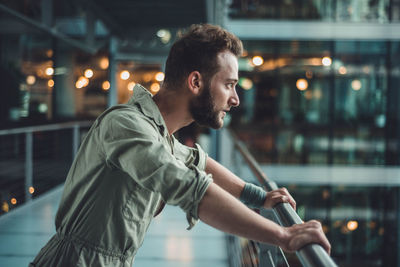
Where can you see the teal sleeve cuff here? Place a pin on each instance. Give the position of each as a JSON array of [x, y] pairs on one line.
[[253, 196]]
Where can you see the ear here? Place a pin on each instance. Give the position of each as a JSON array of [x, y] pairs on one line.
[[195, 82]]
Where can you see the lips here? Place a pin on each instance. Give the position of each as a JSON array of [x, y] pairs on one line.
[[225, 111]]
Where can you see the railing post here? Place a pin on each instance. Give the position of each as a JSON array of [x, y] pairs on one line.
[[75, 140], [28, 165]]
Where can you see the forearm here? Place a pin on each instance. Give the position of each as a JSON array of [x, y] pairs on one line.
[[222, 211], [225, 178], [234, 185]]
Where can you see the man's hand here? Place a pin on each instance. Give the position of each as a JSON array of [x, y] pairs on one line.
[[221, 210], [299, 235], [279, 195]]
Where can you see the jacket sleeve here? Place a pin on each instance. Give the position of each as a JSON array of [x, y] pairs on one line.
[[190, 155], [132, 144]]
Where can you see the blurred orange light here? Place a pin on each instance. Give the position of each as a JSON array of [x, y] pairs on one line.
[[308, 95], [49, 71], [13, 201], [125, 75], [106, 85], [104, 63], [5, 207], [352, 225], [30, 79], [82, 82], [343, 70], [88, 73], [50, 83], [131, 85], [160, 76], [246, 83], [49, 53], [155, 87], [326, 61], [78, 85], [302, 84], [356, 85], [31, 189], [257, 60]]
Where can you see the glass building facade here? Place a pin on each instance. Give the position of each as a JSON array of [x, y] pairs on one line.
[[326, 104]]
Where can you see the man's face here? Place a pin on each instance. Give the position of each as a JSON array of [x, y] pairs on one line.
[[218, 93]]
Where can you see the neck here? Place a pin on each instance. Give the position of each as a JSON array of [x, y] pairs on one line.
[[174, 108]]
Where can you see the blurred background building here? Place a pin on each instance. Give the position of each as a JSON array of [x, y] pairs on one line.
[[319, 87]]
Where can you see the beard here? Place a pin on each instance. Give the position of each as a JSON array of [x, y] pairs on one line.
[[202, 109]]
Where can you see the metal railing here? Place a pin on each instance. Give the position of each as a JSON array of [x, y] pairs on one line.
[[312, 255], [20, 149]]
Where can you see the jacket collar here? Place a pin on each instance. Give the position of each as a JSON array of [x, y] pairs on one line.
[[144, 100]]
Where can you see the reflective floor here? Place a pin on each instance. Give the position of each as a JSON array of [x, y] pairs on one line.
[[25, 230]]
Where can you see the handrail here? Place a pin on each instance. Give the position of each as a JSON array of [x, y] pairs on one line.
[[43, 128], [29, 143], [310, 255]]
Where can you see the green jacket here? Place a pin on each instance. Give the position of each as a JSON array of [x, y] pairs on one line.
[[126, 167]]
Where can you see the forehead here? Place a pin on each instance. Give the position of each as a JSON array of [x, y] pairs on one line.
[[228, 66]]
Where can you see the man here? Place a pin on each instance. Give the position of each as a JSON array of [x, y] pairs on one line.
[[130, 164]]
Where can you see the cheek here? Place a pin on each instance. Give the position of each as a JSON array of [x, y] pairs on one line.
[[219, 102], [222, 95]]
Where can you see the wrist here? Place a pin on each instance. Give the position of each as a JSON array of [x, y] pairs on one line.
[[283, 237], [253, 196]]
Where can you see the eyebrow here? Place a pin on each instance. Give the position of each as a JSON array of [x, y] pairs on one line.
[[232, 80]]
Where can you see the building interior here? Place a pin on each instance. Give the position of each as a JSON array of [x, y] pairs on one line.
[[319, 91]]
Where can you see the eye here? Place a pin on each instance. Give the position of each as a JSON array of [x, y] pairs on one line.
[[230, 85]]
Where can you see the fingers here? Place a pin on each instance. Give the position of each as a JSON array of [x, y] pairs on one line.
[[291, 200], [306, 233], [279, 195], [318, 235]]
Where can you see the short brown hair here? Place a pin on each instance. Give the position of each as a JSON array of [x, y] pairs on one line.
[[197, 50]]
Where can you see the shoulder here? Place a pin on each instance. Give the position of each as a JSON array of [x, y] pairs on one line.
[[127, 120]]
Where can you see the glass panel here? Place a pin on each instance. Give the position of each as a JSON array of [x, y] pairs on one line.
[[360, 222], [314, 102], [324, 10], [34, 9], [360, 102], [395, 11]]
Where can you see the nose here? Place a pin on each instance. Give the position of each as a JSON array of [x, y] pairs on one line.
[[234, 99]]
